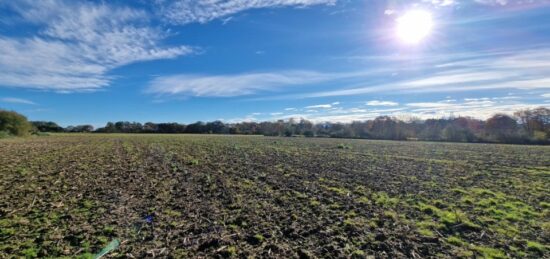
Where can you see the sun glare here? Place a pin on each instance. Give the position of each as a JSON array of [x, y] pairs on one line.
[[414, 26]]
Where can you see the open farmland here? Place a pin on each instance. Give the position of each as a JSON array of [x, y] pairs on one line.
[[201, 196]]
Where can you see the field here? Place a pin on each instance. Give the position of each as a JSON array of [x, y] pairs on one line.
[[238, 196]]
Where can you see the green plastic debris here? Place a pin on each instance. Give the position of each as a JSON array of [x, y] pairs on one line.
[[110, 247]]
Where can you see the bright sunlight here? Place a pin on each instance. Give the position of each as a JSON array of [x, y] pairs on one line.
[[414, 26]]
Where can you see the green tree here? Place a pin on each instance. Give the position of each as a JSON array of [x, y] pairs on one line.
[[502, 128], [47, 126], [14, 123]]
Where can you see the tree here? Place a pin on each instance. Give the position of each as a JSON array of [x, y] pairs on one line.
[[170, 128], [109, 128], [14, 123], [457, 130], [80, 128], [47, 126], [197, 127], [304, 126], [216, 127], [502, 128], [385, 127], [150, 127], [536, 122]]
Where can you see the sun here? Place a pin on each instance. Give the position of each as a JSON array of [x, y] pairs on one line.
[[414, 26]]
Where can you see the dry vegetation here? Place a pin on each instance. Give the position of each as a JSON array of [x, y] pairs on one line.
[[196, 196]]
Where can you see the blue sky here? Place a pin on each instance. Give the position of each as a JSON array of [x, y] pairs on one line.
[[77, 62]]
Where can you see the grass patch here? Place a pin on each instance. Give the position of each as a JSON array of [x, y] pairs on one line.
[[426, 232], [341, 191], [454, 240], [536, 247], [384, 200], [489, 252]]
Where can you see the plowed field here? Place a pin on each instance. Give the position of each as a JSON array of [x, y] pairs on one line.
[[239, 196]]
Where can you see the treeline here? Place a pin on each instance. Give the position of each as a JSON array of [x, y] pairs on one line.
[[531, 126], [50, 126]]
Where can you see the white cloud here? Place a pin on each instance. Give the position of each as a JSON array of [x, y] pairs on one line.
[[319, 106], [16, 100], [247, 83], [290, 109], [202, 11], [482, 103], [506, 98], [454, 77], [356, 110], [232, 85], [77, 44], [478, 108], [476, 99], [381, 103], [492, 2], [547, 95], [481, 108], [513, 69], [248, 118], [486, 2], [344, 116], [429, 105], [448, 101]]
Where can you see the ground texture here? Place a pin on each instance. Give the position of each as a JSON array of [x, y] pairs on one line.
[[236, 196]]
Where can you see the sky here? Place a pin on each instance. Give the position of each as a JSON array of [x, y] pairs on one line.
[[89, 62]]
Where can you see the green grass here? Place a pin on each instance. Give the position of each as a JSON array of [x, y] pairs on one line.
[[489, 252], [535, 246], [456, 241]]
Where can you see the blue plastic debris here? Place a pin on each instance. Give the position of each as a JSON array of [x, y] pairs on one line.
[[149, 218]]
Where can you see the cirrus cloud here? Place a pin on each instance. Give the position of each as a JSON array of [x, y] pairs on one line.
[[16, 100], [381, 103], [202, 11], [235, 84], [77, 44]]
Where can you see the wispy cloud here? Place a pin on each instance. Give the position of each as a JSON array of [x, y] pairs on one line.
[[237, 84], [344, 115], [16, 100], [77, 44], [481, 108], [497, 3], [202, 11], [429, 105], [514, 69], [511, 2], [492, 2], [381, 103], [319, 106]]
